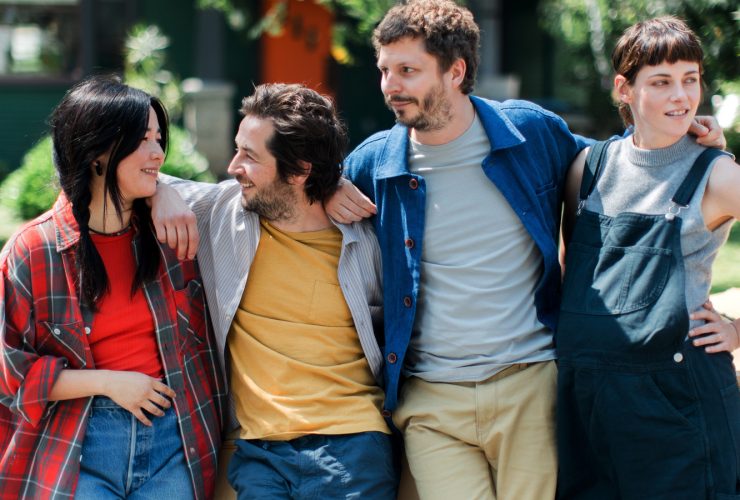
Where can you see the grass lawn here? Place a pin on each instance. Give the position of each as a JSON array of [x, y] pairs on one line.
[[726, 270]]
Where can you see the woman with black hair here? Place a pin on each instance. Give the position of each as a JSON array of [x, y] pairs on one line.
[[109, 379]]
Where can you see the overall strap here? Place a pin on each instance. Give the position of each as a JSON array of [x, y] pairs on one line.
[[693, 178], [595, 161]]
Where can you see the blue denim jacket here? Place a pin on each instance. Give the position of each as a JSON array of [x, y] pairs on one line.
[[531, 150]]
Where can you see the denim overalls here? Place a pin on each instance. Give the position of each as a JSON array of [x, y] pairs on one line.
[[641, 413]]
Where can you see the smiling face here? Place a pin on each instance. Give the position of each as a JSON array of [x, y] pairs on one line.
[[137, 173], [663, 100], [255, 169], [413, 86]]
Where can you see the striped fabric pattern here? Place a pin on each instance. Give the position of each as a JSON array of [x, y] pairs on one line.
[[229, 237]]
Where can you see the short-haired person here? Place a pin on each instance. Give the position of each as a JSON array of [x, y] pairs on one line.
[[648, 404], [468, 195], [109, 379], [297, 306]]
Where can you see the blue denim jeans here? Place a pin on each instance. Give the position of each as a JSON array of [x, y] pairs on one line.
[[123, 458], [350, 466]]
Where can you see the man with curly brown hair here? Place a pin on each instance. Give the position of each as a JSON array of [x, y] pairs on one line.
[[470, 313]]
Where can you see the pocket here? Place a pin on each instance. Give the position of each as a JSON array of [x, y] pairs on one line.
[[191, 314], [62, 340], [328, 306], [613, 280]]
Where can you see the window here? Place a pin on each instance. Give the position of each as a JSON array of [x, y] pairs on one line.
[[39, 38]]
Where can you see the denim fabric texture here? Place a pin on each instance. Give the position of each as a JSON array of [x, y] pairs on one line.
[[531, 150], [641, 413], [349, 466], [123, 458]]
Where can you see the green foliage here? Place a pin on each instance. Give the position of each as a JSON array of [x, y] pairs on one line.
[[32, 189], [589, 29], [726, 270], [144, 67], [354, 20], [183, 160]]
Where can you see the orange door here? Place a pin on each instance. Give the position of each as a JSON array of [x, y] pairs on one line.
[[301, 52]]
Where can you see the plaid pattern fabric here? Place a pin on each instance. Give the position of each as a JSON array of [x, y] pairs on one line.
[[43, 331]]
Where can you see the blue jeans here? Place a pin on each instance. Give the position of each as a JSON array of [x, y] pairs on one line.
[[350, 466], [123, 458]]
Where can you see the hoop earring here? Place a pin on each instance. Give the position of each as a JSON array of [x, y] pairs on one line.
[[98, 168]]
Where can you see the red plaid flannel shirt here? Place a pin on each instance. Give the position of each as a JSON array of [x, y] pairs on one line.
[[42, 331]]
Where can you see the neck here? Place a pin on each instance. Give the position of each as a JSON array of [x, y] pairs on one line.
[[462, 114], [309, 217], [103, 216], [648, 141]]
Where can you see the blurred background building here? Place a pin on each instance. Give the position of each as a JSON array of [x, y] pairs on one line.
[[221, 49], [47, 45]]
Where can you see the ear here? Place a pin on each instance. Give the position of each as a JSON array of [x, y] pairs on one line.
[[300, 179], [457, 72], [622, 89]]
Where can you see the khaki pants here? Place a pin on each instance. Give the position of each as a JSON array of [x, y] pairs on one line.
[[491, 440]]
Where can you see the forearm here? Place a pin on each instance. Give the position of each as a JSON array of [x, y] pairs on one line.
[[74, 384], [198, 196]]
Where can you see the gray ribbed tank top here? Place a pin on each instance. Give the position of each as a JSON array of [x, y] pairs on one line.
[[643, 181]]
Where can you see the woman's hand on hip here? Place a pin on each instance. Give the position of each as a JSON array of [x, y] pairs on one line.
[[137, 392], [717, 334]]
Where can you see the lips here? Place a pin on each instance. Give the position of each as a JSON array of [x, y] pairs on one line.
[[397, 101], [678, 112]]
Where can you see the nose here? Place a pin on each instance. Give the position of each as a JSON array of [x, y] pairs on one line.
[[234, 166], [157, 153], [679, 93], [389, 84]]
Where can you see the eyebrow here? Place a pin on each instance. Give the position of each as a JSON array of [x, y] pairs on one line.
[[664, 75], [247, 149]]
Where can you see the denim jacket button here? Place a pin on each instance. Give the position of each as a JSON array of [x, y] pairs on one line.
[[413, 184], [409, 243], [407, 301], [392, 358]]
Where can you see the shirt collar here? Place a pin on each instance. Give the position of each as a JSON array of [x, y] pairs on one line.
[[501, 132], [349, 232], [65, 225]]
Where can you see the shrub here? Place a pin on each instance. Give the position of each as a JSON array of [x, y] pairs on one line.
[[32, 188]]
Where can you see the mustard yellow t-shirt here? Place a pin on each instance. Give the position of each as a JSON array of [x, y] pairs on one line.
[[297, 366]]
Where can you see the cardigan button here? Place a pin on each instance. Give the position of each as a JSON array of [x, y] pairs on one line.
[[407, 301], [413, 183], [409, 243], [386, 413], [57, 331], [392, 358]]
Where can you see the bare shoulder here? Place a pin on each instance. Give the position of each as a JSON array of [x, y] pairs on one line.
[[720, 197]]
